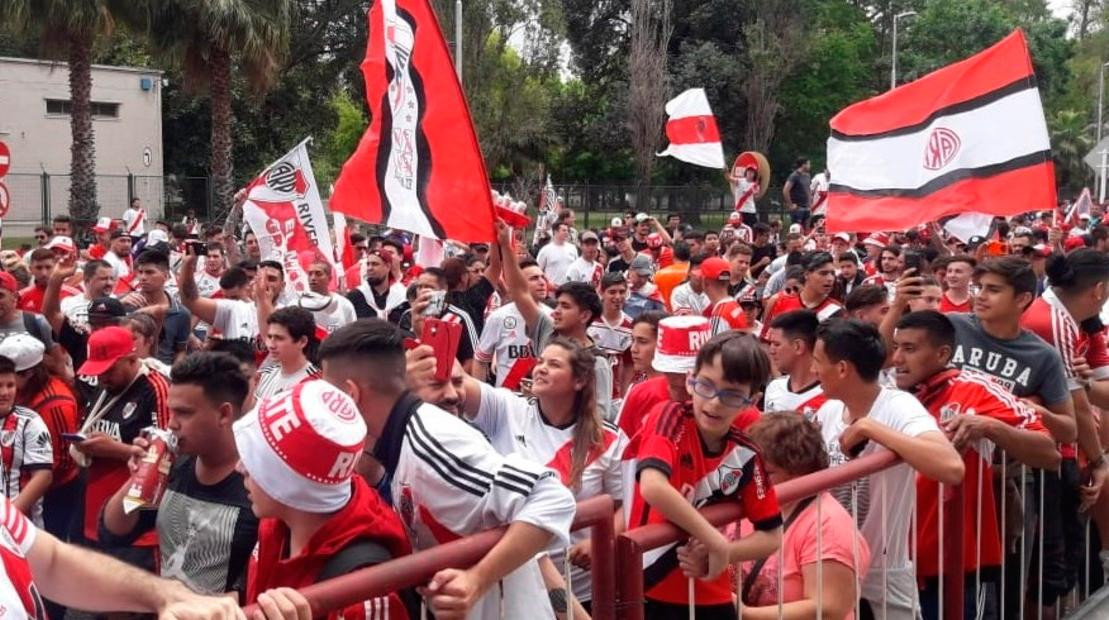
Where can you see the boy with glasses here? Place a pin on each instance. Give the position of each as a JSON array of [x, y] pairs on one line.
[[688, 456]]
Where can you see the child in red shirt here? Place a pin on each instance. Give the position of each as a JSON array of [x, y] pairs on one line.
[[690, 455]]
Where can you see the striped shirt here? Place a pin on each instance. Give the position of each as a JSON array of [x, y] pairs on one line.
[[57, 407], [24, 448], [272, 381]]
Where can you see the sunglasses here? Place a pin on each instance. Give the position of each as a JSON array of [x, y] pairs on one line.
[[790, 290]]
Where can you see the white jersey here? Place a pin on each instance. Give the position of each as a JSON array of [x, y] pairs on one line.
[[683, 300], [207, 284], [504, 340], [24, 447], [778, 397], [452, 483], [891, 488], [582, 270], [555, 260], [338, 313], [19, 598], [134, 222], [76, 311], [121, 266], [236, 319], [615, 340], [271, 381], [514, 424]]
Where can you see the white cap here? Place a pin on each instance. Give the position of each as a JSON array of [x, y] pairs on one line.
[[679, 340], [642, 217], [156, 235], [617, 223], [314, 302], [23, 349], [103, 224], [795, 228], [61, 242], [301, 446]]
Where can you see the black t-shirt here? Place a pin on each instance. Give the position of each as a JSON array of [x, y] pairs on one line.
[[799, 190], [205, 532], [474, 301], [618, 265], [638, 245]]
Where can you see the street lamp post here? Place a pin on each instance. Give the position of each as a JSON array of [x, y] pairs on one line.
[[893, 64], [458, 38], [1100, 99]]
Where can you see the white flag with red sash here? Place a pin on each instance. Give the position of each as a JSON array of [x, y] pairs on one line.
[[692, 131], [284, 210], [968, 137]]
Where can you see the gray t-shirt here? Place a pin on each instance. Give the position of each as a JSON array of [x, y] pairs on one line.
[[542, 333], [1025, 365], [19, 326]]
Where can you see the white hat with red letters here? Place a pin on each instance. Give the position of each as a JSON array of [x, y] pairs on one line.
[[679, 340], [301, 446]]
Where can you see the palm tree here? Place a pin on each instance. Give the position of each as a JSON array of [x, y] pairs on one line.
[[67, 29], [207, 38], [1070, 141]]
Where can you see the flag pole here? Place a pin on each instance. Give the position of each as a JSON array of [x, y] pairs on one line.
[[1104, 164], [458, 39]]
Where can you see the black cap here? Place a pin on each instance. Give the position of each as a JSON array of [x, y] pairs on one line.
[[106, 307], [117, 233]]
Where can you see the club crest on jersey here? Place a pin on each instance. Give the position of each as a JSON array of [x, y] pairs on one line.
[[948, 411], [407, 506], [129, 410], [7, 438], [729, 479], [510, 322]]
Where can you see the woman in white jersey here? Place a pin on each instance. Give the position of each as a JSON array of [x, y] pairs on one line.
[[292, 344], [561, 427]]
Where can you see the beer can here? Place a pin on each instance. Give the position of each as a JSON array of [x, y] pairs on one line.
[[149, 481]]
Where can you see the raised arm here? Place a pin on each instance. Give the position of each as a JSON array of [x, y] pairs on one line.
[[52, 297], [514, 279], [202, 307]]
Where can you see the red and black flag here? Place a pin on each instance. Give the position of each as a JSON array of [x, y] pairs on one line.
[[968, 137], [418, 167]]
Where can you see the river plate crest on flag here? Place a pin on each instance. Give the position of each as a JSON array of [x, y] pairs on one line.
[[418, 167], [968, 137]]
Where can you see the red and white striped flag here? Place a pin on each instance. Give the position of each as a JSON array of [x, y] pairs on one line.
[[1080, 207], [694, 137], [968, 137]]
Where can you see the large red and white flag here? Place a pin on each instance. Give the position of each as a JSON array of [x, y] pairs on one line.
[[1082, 206], [694, 137], [968, 137], [284, 210], [418, 167]]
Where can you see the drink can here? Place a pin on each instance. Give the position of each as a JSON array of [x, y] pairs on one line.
[[149, 481]]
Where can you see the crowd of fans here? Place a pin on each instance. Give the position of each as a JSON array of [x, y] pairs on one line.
[[665, 365]]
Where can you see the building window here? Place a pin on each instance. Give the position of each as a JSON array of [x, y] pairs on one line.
[[100, 109]]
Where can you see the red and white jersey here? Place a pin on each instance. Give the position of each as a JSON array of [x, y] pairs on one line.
[[824, 310], [207, 284], [582, 270], [447, 481], [514, 424], [24, 448], [878, 279], [121, 265], [948, 394], [615, 339], [779, 397], [739, 232], [946, 305], [19, 597], [504, 340], [726, 315], [1049, 319]]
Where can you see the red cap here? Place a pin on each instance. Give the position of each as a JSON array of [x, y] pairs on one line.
[[654, 240], [106, 347], [7, 281], [716, 268], [1074, 243]]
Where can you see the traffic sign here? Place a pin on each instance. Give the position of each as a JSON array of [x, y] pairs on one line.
[[5, 159], [5, 200], [1093, 158]]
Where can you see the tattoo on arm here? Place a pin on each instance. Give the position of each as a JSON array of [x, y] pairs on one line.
[[558, 599]]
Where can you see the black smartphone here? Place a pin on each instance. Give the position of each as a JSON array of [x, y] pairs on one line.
[[913, 260]]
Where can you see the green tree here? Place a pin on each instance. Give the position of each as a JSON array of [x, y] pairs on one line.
[[67, 29], [207, 39], [340, 142]]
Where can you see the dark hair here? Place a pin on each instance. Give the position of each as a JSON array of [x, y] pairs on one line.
[[238, 348], [247, 264], [1078, 271], [373, 340], [212, 230], [1016, 272], [7, 366], [699, 235], [584, 297], [856, 342], [696, 260], [454, 270], [588, 435], [961, 258], [741, 358], [739, 247], [864, 296], [41, 254], [63, 218], [795, 258], [357, 238], [528, 262], [940, 329], [438, 273], [795, 272], [892, 249], [152, 257], [760, 228], [798, 325], [816, 260], [800, 161], [234, 278], [612, 278], [681, 251], [651, 317], [219, 375], [214, 246], [88, 272], [849, 257], [1099, 233], [790, 441], [300, 324], [180, 231], [272, 264]]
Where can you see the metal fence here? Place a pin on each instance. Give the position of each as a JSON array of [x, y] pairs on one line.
[[37, 198]]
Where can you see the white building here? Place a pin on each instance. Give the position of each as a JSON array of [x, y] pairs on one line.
[[34, 124]]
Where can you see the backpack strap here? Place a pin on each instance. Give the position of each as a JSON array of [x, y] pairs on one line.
[[359, 554]]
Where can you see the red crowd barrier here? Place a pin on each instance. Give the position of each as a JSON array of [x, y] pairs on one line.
[[417, 569]]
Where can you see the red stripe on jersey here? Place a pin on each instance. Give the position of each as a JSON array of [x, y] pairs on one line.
[[563, 460], [442, 533]]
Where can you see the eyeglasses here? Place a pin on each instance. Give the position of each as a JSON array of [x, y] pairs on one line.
[[728, 398], [790, 290]]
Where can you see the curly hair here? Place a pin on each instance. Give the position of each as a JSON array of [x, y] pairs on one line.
[[791, 442]]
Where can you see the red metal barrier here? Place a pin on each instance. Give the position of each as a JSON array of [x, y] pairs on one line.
[[631, 545], [416, 569]]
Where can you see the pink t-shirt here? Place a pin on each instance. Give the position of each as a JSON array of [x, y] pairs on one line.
[[838, 542]]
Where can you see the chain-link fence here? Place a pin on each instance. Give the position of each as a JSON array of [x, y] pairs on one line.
[[37, 198]]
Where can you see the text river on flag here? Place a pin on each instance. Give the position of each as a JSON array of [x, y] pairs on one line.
[[968, 137]]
